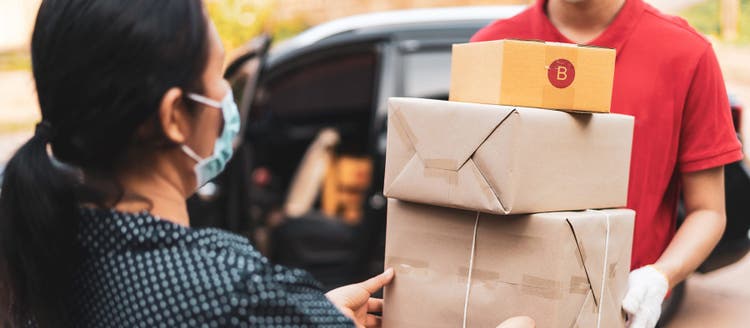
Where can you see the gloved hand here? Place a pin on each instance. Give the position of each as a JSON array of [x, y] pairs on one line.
[[647, 288]]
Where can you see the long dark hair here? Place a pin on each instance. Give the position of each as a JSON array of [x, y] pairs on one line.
[[101, 69]]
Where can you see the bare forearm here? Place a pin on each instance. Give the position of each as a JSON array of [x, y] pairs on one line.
[[692, 244]]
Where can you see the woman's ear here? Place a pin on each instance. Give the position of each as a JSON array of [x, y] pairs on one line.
[[174, 118]]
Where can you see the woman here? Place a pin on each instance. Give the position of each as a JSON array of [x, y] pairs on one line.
[[137, 116]]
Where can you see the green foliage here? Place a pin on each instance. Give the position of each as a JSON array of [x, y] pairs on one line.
[[17, 60], [15, 127], [705, 17], [238, 21]]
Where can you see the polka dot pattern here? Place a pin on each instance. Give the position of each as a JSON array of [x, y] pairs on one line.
[[141, 271]]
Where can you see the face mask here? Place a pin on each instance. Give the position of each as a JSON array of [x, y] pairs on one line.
[[209, 167]]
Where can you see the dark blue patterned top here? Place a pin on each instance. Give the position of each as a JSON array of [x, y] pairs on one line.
[[140, 271]]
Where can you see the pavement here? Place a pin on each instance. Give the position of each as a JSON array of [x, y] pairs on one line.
[[718, 299]]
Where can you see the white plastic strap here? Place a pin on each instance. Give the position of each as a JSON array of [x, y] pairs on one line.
[[191, 153], [204, 100], [604, 270], [471, 268]]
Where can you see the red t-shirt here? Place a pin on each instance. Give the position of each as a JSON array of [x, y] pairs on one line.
[[668, 78]]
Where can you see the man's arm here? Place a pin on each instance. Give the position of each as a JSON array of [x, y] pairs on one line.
[[703, 193]]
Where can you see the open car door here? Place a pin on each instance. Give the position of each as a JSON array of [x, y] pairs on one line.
[[221, 202]]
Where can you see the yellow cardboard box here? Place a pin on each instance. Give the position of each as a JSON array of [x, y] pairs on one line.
[[533, 74]]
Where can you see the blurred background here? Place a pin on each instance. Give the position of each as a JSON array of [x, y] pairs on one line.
[[726, 22], [718, 299]]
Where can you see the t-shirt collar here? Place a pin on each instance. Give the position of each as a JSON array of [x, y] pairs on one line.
[[615, 36]]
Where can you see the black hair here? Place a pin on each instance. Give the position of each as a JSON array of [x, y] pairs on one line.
[[101, 68]]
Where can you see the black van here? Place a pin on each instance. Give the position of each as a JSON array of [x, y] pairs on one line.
[[338, 76]]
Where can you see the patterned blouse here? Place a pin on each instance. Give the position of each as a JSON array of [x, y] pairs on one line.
[[141, 271]]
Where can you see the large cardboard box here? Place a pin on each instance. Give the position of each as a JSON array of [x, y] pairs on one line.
[[564, 269], [505, 160], [533, 74]]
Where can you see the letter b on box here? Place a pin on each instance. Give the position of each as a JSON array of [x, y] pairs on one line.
[[561, 73]]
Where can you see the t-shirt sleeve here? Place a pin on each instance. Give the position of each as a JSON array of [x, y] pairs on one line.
[[707, 137]]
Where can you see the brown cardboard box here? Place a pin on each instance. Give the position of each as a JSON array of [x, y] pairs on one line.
[[533, 74], [560, 268], [504, 160], [345, 186]]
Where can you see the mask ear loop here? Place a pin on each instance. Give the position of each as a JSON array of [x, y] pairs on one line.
[[204, 100], [191, 153], [208, 102]]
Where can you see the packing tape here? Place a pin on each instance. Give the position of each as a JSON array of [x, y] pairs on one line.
[[434, 168], [403, 127], [450, 176], [541, 287], [394, 260], [480, 275], [579, 285], [565, 96], [441, 163], [411, 267], [530, 285]]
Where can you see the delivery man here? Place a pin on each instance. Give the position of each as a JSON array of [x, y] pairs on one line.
[[668, 78]]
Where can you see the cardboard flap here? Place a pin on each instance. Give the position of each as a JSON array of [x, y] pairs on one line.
[[417, 183], [431, 125], [591, 239]]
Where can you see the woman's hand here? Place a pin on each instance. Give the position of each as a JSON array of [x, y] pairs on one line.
[[355, 301]]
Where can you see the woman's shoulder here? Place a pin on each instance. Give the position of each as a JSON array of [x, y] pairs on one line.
[[212, 274], [111, 231], [109, 236]]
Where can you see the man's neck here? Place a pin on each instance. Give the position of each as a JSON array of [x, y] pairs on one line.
[[582, 21]]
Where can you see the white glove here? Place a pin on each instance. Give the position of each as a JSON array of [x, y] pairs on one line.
[[647, 288]]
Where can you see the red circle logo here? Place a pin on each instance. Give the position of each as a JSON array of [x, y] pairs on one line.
[[561, 73]]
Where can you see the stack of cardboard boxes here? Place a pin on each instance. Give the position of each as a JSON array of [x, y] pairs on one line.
[[497, 209]]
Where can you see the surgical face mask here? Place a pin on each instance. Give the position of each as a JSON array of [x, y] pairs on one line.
[[209, 167]]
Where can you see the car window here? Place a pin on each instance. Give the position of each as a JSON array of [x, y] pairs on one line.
[[427, 74], [298, 98], [333, 84]]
